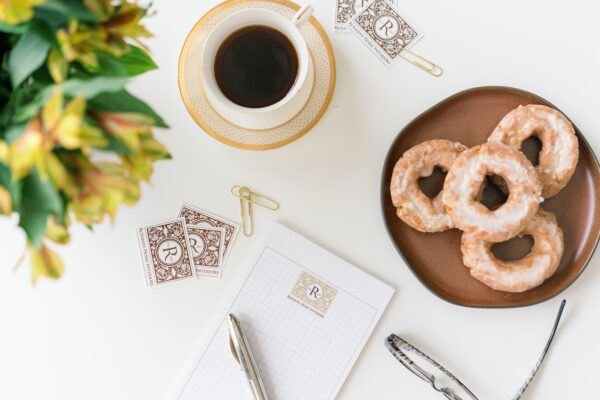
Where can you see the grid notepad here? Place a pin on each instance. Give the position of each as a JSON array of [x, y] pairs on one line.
[[305, 345]]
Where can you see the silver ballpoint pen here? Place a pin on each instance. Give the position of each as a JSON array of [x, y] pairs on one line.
[[243, 355]]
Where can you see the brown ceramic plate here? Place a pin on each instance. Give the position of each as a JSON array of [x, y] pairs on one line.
[[435, 258]]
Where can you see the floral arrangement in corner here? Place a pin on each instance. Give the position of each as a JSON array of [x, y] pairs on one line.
[[63, 104]]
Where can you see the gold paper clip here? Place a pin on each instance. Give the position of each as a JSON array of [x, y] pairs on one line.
[[247, 198], [246, 211], [423, 63], [256, 198]]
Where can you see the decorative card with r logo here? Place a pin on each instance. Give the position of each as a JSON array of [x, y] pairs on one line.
[[384, 30], [166, 253], [346, 9], [313, 293], [207, 244]]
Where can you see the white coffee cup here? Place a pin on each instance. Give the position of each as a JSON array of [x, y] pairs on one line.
[[285, 109]]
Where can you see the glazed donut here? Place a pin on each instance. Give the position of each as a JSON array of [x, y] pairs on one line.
[[463, 184], [560, 148], [412, 205], [520, 275]]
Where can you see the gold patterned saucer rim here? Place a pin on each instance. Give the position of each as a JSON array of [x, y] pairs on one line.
[[316, 25]]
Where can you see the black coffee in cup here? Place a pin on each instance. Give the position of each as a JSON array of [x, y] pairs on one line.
[[256, 66]]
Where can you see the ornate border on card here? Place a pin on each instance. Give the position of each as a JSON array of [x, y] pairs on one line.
[[344, 11], [211, 241], [196, 216], [313, 293], [160, 235], [403, 34]]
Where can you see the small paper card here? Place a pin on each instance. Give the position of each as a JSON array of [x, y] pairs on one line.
[[313, 293], [196, 216], [165, 251], [346, 9], [207, 244], [382, 28]]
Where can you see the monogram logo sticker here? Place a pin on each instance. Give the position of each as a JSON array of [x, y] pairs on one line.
[[313, 293], [169, 251], [346, 9], [165, 252], [384, 30], [207, 245], [195, 216]]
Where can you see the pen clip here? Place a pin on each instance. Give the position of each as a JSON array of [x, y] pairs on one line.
[[233, 342]]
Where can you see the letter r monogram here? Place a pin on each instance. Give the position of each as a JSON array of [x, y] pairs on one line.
[[387, 25], [314, 292]]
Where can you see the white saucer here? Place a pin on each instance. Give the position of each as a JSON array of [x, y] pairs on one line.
[[225, 131]]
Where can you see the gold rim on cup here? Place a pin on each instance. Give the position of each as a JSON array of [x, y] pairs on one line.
[[214, 133]]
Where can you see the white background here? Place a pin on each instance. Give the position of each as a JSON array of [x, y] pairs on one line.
[[98, 333]]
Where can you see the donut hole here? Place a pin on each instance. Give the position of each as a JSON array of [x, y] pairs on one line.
[[531, 147], [513, 249], [494, 192], [433, 184]]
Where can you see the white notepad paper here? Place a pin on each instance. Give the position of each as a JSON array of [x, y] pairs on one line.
[[307, 315]]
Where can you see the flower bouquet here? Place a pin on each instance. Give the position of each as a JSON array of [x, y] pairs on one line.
[[63, 108]]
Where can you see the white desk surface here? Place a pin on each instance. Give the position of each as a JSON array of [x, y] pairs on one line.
[[98, 333]]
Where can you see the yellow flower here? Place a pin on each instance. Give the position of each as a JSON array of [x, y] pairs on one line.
[[141, 164], [14, 12], [80, 43], [26, 151], [127, 127], [104, 187], [56, 232], [67, 129], [66, 125], [4, 152], [59, 175], [103, 9], [125, 23], [57, 125], [58, 66], [44, 262], [5, 202]]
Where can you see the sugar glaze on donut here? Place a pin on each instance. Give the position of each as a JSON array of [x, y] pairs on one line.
[[463, 184], [412, 205], [520, 275], [560, 147]]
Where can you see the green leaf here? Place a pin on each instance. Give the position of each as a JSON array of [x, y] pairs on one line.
[[13, 132], [109, 66], [39, 200], [26, 111], [14, 188], [136, 61], [87, 88], [117, 146], [20, 100], [90, 88], [28, 54], [60, 12], [17, 29], [123, 101]]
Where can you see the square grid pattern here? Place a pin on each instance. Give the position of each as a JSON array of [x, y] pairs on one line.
[[300, 354]]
